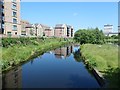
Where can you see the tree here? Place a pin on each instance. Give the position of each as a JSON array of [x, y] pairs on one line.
[[94, 36]]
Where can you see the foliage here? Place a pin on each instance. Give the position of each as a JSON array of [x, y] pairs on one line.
[[105, 59], [8, 42], [102, 56], [113, 76], [94, 36], [19, 50], [114, 37]]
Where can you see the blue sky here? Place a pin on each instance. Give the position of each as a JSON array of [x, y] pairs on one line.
[[78, 14]]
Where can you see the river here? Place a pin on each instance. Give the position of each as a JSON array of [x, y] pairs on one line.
[[59, 68]]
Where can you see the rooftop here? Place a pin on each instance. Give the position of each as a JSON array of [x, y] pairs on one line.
[[107, 25], [59, 25], [29, 26]]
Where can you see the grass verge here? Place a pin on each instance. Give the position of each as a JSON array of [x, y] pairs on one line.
[[105, 59], [17, 54]]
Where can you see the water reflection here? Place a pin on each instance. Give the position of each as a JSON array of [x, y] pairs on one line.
[[56, 68], [77, 56], [13, 78], [63, 52]]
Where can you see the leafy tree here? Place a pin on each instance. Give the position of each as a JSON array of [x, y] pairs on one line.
[[90, 35]]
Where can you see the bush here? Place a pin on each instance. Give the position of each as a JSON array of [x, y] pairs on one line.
[[6, 42]]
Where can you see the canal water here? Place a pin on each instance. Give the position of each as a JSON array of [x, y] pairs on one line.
[[59, 68]]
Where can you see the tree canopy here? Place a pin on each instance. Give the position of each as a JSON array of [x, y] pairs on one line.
[[94, 36]]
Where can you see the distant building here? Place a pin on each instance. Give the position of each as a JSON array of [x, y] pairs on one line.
[[60, 30], [1, 12], [108, 29], [24, 30], [39, 29], [63, 30], [29, 30], [118, 29], [35, 30], [70, 31], [49, 32], [112, 33], [10, 18]]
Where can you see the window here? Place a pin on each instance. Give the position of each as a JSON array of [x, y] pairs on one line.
[[14, 27], [14, 6], [14, 20], [9, 33], [2, 26], [14, 14]]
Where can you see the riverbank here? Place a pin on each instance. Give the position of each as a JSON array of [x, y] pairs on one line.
[[104, 58], [15, 52]]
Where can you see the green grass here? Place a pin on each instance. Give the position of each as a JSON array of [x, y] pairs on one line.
[[14, 55], [104, 56], [105, 59]]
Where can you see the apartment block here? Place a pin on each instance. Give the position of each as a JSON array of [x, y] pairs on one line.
[[10, 19], [38, 29], [108, 29], [118, 29], [1, 16], [30, 30], [49, 32], [70, 31], [60, 30], [24, 30], [35, 30], [63, 30], [43, 30]]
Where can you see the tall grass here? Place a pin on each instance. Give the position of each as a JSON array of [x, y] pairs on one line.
[[105, 59], [18, 53], [103, 56]]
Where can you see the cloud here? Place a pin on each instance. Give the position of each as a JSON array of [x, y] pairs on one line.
[[75, 14]]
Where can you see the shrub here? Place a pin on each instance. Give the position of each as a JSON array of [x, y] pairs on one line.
[[6, 42]]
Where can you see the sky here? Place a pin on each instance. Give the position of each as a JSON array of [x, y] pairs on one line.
[[78, 14]]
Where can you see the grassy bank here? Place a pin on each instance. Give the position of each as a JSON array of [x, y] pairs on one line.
[[104, 58], [13, 53]]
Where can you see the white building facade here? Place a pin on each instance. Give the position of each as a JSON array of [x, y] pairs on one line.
[[108, 29]]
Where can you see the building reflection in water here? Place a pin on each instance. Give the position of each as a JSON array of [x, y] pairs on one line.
[[13, 78], [63, 52]]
